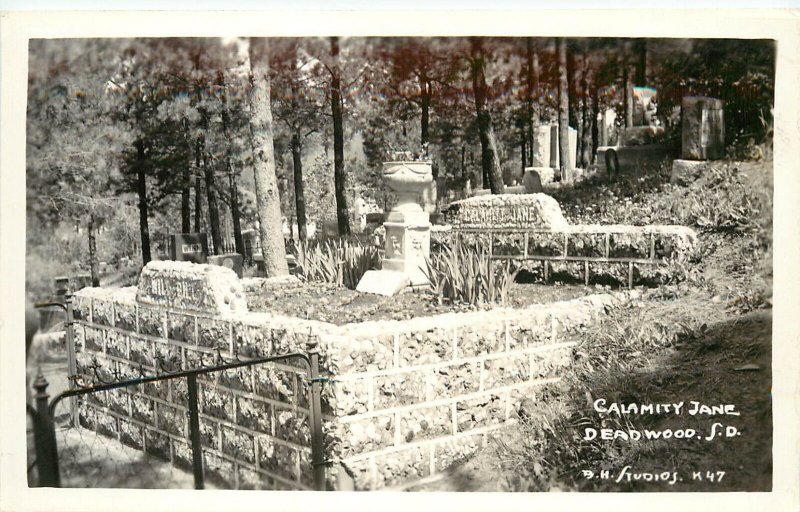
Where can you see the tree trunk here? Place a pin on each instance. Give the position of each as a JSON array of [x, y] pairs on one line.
[[213, 209], [267, 197], [463, 162], [342, 211], [299, 188], [576, 96], [186, 183], [93, 265], [235, 215], [141, 191], [532, 79], [571, 86], [628, 93], [297, 170], [198, 193], [563, 115], [595, 115], [426, 109], [641, 63], [234, 189], [586, 127], [490, 162]]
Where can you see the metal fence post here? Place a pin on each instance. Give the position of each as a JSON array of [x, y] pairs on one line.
[[44, 436], [194, 432], [315, 405], [71, 357]]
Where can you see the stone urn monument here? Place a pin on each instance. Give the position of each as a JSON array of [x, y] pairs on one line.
[[408, 231]]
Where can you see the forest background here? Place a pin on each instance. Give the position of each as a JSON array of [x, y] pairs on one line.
[[129, 140]]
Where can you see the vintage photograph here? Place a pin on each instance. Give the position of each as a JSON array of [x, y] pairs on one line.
[[453, 264]]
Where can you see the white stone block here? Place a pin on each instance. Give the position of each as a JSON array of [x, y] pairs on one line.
[[383, 282]]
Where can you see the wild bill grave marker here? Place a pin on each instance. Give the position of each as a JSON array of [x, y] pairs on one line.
[[184, 285]]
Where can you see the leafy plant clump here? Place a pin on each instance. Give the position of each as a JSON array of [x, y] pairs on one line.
[[721, 200], [337, 261], [465, 275]]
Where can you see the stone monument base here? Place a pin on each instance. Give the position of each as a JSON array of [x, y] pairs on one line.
[[686, 171], [383, 282]]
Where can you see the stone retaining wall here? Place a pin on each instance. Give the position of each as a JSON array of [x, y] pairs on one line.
[[413, 397], [253, 421], [531, 228], [626, 253], [403, 399]]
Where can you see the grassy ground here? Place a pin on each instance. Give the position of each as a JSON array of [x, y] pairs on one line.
[[705, 339]]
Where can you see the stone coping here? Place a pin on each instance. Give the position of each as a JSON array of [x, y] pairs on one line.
[[489, 318], [658, 229], [373, 327], [504, 200]]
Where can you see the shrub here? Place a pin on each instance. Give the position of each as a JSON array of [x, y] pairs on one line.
[[338, 261], [720, 200], [466, 275]]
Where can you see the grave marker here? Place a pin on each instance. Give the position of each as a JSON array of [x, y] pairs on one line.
[[189, 247], [703, 129], [201, 288], [514, 211]]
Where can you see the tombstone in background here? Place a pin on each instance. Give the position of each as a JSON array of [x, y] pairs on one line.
[[408, 231], [545, 152], [703, 128], [80, 281], [535, 177], [608, 117], [360, 213], [532, 181], [189, 247], [541, 146], [555, 159], [61, 285], [250, 241], [702, 137], [71, 284], [428, 198], [641, 135], [232, 261]]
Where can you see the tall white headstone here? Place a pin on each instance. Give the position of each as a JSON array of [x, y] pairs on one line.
[[408, 231]]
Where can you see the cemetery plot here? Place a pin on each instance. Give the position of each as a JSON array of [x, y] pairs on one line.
[[531, 228], [362, 250]]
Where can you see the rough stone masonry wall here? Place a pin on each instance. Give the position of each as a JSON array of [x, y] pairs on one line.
[[531, 227], [411, 398], [253, 420], [401, 400]]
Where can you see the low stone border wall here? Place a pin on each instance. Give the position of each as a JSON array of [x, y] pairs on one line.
[[413, 397], [401, 401], [253, 421], [578, 250]]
